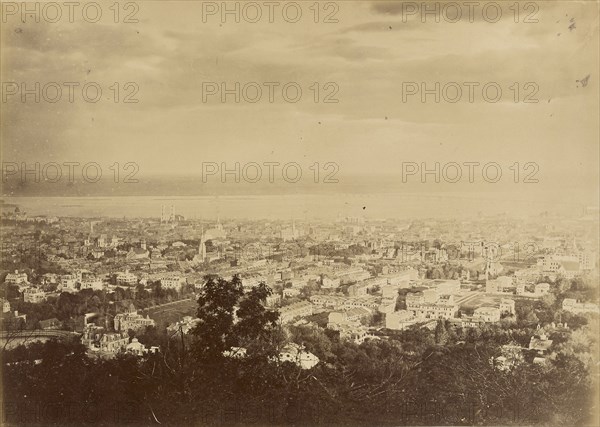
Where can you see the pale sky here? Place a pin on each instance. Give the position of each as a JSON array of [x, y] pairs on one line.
[[368, 54]]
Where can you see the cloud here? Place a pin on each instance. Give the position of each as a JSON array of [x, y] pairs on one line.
[[171, 53]]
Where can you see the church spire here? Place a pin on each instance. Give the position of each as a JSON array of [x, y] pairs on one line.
[[202, 246]]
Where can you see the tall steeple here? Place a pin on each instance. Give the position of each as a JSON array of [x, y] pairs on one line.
[[202, 246]]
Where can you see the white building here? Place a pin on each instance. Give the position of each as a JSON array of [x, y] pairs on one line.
[[173, 282], [16, 278], [296, 354], [330, 282], [487, 314], [587, 260], [113, 342], [5, 305], [92, 283], [429, 305], [131, 320], [400, 319], [507, 306], [135, 347], [126, 278], [34, 295], [68, 281], [290, 292], [559, 264]]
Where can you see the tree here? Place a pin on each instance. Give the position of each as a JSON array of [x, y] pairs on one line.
[[562, 285], [441, 334], [255, 324], [216, 305], [525, 313]]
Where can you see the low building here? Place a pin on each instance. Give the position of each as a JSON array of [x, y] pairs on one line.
[[68, 281], [363, 288], [507, 306], [173, 282], [387, 306], [399, 320], [353, 315], [429, 305], [113, 342], [328, 301], [389, 291], [370, 302], [126, 278], [296, 354], [330, 282], [587, 260], [401, 279], [131, 320], [569, 269], [293, 311], [291, 292], [16, 278], [137, 253], [355, 333], [92, 334], [34, 295], [92, 283], [272, 299], [135, 347], [540, 343], [351, 275], [5, 305], [487, 314]]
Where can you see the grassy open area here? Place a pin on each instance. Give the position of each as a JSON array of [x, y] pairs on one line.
[[481, 300], [171, 313]]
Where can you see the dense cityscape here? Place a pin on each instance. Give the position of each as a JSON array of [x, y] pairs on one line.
[[347, 321]]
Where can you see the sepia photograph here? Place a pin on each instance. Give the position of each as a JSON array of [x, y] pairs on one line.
[[300, 213]]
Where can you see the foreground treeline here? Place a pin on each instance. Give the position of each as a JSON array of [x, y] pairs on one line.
[[417, 377]]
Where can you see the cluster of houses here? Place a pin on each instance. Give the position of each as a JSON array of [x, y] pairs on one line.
[[350, 324], [568, 266], [80, 279], [360, 295], [505, 285], [101, 342], [104, 342], [131, 320]]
